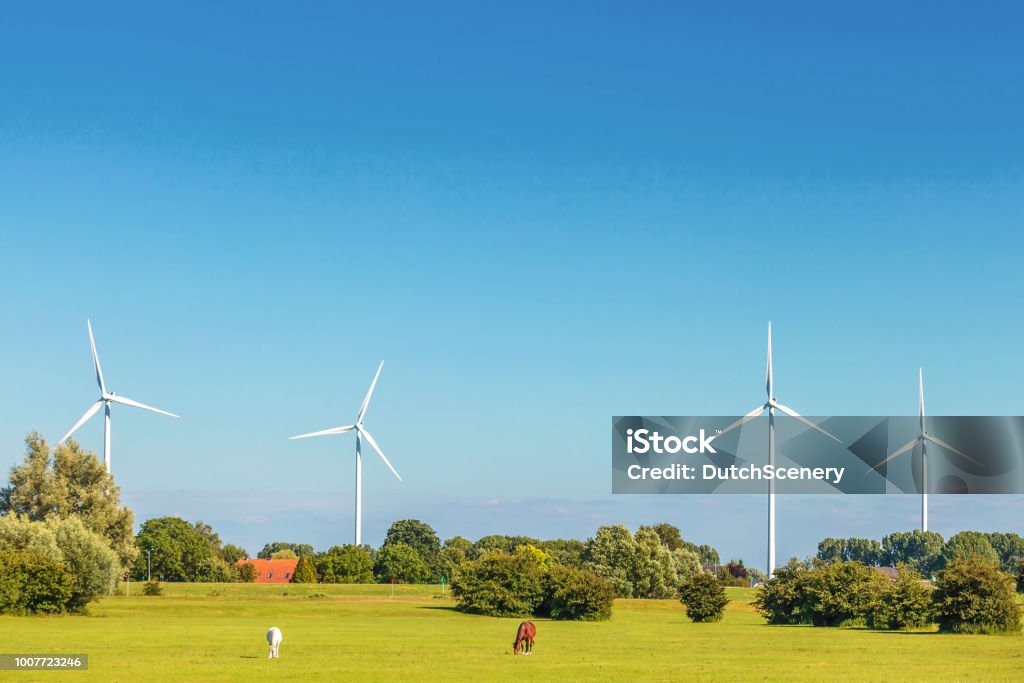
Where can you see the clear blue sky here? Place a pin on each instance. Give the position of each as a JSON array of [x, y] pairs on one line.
[[538, 215]]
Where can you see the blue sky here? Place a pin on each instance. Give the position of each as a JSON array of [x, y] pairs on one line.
[[539, 216]]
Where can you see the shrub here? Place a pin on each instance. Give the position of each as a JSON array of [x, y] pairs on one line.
[[901, 604], [500, 585], [576, 594], [703, 597], [972, 596], [31, 583], [94, 567], [840, 593], [304, 571], [781, 599], [154, 588], [247, 572]]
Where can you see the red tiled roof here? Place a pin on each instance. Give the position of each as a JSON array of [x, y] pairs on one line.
[[271, 571]]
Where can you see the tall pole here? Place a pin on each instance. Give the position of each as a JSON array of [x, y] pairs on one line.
[[770, 389], [359, 493], [149, 564], [106, 435], [771, 492], [924, 450]]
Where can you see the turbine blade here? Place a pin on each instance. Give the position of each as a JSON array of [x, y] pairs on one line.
[[769, 379], [897, 453], [366, 401], [89, 413], [135, 404], [369, 440], [793, 413], [940, 442], [333, 430], [746, 418], [96, 361]]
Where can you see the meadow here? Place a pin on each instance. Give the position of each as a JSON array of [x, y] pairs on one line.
[[215, 632]]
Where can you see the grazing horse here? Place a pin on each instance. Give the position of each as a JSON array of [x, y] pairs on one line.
[[274, 640], [524, 638]]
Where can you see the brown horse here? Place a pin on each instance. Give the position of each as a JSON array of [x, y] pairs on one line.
[[524, 638]]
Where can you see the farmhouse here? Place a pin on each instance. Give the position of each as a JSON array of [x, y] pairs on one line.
[[271, 571]]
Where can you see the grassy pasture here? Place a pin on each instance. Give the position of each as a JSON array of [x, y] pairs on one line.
[[215, 632]]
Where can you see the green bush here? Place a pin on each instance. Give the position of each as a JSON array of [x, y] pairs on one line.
[[782, 598], [499, 584], [575, 594], [154, 588], [901, 604], [841, 593], [973, 596], [247, 572], [31, 583], [703, 597], [94, 567], [304, 571]]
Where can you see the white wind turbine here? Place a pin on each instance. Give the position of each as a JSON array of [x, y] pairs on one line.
[[771, 405], [922, 439], [360, 432], [106, 398]]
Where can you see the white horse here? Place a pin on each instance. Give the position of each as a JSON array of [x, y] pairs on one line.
[[274, 640]]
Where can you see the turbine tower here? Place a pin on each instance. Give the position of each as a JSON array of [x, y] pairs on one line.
[[922, 440], [771, 405], [360, 433], [106, 398]]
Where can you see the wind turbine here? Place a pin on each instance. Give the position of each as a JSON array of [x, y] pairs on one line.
[[922, 439], [106, 398], [360, 432], [771, 405]]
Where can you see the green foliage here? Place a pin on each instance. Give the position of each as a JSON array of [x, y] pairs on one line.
[[31, 584], [781, 598], [576, 594], [19, 533], [344, 564], [969, 544], [654, 572], [566, 552], [1009, 547], [611, 555], [247, 572], [286, 554], [638, 566], [305, 572], [455, 551], [921, 550], [153, 588], [686, 563], [401, 562], [502, 543], [93, 566], [70, 482], [840, 593], [499, 584], [668, 534], [864, 550], [901, 604], [233, 553], [300, 549], [974, 596], [180, 553], [704, 598]]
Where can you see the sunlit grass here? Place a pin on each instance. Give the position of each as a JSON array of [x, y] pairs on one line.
[[215, 632]]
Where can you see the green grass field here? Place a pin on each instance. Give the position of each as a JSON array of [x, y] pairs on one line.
[[215, 632]]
